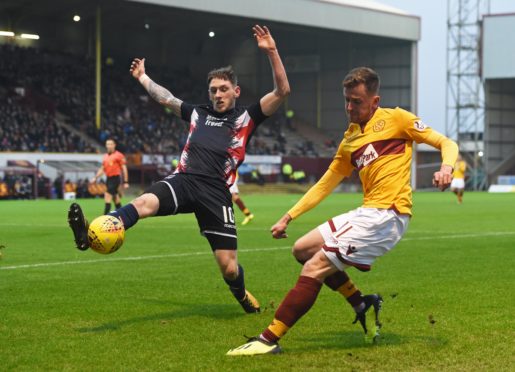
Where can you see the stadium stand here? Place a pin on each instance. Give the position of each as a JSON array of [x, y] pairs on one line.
[[47, 105]]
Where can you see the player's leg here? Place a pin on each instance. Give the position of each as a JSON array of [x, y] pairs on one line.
[[234, 276], [159, 199], [243, 208], [359, 238], [311, 243], [117, 200], [215, 217], [455, 192], [457, 187], [460, 195], [108, 198], [143, 206], [297, 302], [112, 184]]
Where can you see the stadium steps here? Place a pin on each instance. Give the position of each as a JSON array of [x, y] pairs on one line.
[[60, 120], [318, 137]]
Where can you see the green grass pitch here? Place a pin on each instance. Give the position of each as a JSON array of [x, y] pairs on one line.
[[160, 304]]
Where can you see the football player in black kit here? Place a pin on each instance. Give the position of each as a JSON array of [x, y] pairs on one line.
[[218, 135]]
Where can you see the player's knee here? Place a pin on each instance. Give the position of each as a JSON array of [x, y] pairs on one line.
[[146, 205], [230, 271], [299, 251], [317, 267], [310, 267]]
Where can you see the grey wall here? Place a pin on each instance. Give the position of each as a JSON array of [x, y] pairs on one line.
[[498, 47], [500, 127]]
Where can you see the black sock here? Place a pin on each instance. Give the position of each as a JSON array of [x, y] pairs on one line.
[[118, 205], [237, 286], [128, 214], [107, 208]]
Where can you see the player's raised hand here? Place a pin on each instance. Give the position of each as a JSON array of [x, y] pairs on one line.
[[264, 39], [442, 179], [137, 68], [279, 229]]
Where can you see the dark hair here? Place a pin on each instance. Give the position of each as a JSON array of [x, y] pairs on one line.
[[224, 73], [362, 75]]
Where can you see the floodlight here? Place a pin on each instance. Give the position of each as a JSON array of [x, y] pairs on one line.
[[30, 36]]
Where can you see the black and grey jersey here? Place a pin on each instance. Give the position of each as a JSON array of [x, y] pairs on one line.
[[217, 142]]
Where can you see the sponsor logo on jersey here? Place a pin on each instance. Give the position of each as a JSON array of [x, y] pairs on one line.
[[369, 155], [369, 152], [419, 125], [379, 126], [213, 121]]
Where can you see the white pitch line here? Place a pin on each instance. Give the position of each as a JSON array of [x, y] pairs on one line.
[[458, 236], [132, 258], [171, 227], [173, 255]]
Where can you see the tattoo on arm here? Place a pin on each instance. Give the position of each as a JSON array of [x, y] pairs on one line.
[[164, 97]]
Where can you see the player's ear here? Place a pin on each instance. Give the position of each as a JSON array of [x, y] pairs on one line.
[[237, 91], [375, 101]]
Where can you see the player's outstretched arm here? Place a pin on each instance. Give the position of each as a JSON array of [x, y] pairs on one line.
[[156, 91], [310, 200], [273, 100]]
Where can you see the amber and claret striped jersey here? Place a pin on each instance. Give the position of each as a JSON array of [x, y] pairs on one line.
[[459, 169], [112, 163], [381, 153]]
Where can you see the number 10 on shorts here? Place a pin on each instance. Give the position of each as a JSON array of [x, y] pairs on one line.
[[228, 214]]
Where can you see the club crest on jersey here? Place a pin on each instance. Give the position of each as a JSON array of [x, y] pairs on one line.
[[419, 125], [379, 126], [369, 155]]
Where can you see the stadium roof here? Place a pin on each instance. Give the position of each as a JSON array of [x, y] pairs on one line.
[[363, 16], [50, 18], [369, 4]]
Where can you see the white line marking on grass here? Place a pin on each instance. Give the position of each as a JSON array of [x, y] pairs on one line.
[[186, 254], [163, 226], [132, 258], [458, 236]]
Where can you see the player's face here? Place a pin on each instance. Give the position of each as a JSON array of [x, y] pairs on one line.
[[359, 104], [223, 94], [110, 146]]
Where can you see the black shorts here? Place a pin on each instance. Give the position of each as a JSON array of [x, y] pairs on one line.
[[112, 184], [208, 198]]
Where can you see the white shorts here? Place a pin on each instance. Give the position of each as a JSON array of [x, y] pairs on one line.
[[457, 183], [358, 237], [234, 189]]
